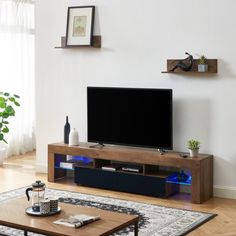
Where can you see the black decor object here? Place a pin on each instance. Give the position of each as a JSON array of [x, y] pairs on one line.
[[185, 64], [66, 131]]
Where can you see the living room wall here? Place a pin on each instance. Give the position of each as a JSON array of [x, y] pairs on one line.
[[137, 38]]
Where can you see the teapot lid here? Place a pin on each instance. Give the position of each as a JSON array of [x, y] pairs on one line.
[[38, 184]]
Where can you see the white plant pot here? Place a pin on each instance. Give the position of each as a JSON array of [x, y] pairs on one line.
[[193, 153], [202, 68]]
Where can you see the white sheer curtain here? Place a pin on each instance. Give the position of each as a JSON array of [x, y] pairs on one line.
[[17, 69]]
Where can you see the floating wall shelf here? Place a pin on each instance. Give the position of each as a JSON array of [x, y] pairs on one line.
[[96, 43], [212, 67]]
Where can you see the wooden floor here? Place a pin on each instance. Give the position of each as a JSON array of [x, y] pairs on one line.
[[19, 171]]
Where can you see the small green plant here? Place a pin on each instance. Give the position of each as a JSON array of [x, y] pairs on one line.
[[193, 144], [202, 60], [7, 104]]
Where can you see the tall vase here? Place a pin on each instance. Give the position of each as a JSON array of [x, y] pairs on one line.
[[66, 131]]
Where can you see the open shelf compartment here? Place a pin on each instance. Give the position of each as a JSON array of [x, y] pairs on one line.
[[68, 162]]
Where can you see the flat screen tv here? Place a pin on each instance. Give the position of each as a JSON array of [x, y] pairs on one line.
[[130, 116]]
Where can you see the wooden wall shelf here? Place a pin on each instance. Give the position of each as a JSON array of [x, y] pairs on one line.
[[96, 43], [212, 67]]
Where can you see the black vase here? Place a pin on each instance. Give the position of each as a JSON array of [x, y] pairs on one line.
[[66, 131]]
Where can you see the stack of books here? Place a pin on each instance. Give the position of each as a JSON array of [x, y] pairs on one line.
[[112, 167], [70, 164], [118, 166], [132, 168]]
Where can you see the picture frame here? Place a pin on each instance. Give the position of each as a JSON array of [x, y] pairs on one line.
[[79, 28]]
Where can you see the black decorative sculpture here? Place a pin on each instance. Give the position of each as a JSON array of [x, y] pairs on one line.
[[185, 64]]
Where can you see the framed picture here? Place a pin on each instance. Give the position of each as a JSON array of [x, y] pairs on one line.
[[79, 29]]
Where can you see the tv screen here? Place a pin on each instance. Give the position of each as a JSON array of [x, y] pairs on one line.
[[130, 116]]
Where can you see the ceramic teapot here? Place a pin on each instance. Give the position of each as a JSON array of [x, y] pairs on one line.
[[38, 191]]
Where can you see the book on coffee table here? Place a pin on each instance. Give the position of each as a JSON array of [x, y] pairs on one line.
[[77, 221]]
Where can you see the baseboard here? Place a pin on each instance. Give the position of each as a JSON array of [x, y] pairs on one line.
[[224, 192]]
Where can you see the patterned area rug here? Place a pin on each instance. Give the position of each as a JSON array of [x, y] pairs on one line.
[[154, 220]]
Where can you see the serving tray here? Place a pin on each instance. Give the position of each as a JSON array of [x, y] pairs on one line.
[[29, 211]]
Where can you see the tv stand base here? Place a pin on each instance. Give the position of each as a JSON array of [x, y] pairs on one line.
[[201, 169]]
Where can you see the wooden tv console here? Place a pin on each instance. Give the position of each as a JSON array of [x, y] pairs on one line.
[[201, 167]]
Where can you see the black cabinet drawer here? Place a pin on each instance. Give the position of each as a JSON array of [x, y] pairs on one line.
[[126, 182]]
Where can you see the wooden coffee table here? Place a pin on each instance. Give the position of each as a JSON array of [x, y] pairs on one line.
[[12, 214]]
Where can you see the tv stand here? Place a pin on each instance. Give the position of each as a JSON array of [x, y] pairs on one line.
[[150, 181]]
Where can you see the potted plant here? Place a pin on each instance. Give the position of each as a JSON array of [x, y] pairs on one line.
[[193, 146], [7, 104], [202, 64]]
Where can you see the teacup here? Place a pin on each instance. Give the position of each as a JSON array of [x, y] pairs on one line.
[[45, 207]]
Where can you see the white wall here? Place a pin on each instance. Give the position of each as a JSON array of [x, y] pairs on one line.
[[137, 38]]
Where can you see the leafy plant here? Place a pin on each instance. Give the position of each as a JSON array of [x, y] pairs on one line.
[[7, 104], [202, 60], [193, 144]]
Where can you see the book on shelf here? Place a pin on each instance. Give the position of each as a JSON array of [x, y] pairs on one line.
[[70, 164], [112, 167], [67, 164], [76, 221], [132, 168]]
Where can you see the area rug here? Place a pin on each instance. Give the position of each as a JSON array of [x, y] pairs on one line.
[[154, 220]]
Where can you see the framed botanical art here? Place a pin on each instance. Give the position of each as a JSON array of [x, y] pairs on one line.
[[79, 30]]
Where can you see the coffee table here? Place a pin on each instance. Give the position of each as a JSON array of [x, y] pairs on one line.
[[12, 214]]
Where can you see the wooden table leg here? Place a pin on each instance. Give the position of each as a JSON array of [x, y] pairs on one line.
[[25, 233], [136, 229]]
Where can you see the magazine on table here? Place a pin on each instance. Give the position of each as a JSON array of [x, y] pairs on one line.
[[76, 221]]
